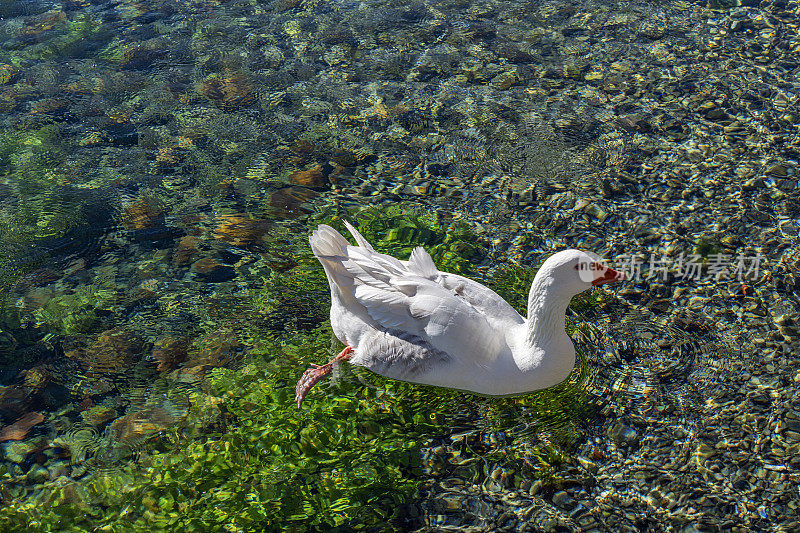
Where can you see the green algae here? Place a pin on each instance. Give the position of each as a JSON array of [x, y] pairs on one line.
[[34, 159], [23, 150], [399, 228], [274, 467], [76, 312], [351, 458], [66, 38], [48, 219], [706, 246], [513, 283]]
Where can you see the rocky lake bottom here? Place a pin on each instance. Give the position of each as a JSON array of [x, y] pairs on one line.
[[162, 163]]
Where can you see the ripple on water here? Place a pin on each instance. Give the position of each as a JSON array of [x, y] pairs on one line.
[[81, 441], [96, 452], [642, 364], [110, 455], [157, 409]]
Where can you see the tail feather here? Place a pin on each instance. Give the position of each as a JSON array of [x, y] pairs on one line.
[[422, 263], [358, 237], [330, 248], [326, 241]]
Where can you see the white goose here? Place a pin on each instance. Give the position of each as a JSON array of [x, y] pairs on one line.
[[407, 320]]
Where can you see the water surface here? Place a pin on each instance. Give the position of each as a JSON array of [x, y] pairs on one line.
[[162, 163]]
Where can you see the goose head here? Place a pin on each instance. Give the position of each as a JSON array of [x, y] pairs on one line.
[[570, 272]]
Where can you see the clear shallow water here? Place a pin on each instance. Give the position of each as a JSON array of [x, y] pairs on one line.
[[163, 162]]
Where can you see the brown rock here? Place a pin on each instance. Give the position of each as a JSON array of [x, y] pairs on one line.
[[186, 251], [302, 147], [168, 352], [44, 22], [136, 57], [146, 290], [168, 156], [240, 230], [205, 266], [216, 349], [191, 220], [19, 429], [504, 81], [15, 401], [37, 278], [230, 92], [212, 271], [142, 214], [288, 202], [312, 178], [191, 374], [8, 73], [99, 415], [98, 387], [337, 172], [37, 378], [114, 351], [49, 106], [345, 158], [143, 423]]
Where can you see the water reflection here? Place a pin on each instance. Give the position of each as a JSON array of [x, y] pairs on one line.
[[161, 164]]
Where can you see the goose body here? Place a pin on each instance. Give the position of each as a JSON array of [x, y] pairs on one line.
[[407, 320]]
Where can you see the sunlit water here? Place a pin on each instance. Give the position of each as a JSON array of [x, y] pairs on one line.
[[162, 162]]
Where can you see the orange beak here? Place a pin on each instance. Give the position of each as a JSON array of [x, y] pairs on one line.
[[609, 276]]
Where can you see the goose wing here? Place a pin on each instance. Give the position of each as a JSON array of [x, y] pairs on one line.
[[481, 298], [401, 296]]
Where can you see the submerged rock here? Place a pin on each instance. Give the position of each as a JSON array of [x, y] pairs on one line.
[[114, 351], [8, 73], [137, 57], [168, 352], [186, 251], [229, 92], [211, 270], [142, 214], [17, 451], [290, 202], [623, 435], [15, 401], [99, 415], [312, 178], [143, 423], [217, 349], [240, 230], [19, 429]]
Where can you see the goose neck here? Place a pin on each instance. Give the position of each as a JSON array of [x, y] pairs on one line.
[[547, 308]]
